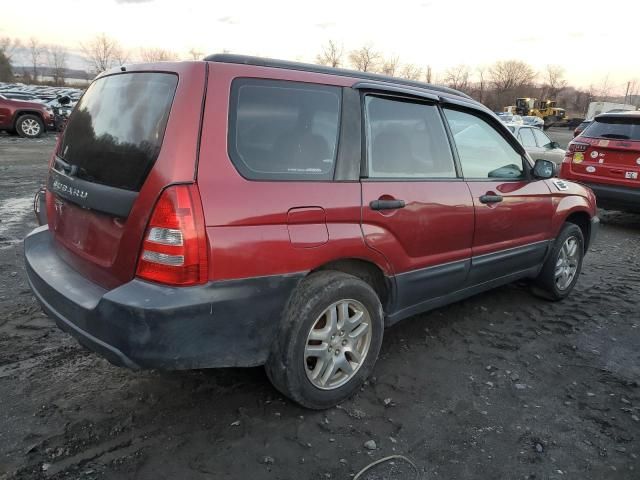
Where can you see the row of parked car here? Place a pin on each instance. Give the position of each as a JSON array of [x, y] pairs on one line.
[[30, 110]]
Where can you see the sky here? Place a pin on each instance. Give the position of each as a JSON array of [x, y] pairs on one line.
[[594, 40]]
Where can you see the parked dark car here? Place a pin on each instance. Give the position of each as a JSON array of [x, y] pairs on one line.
[[580, 128], [27, 119], [288, 219], [606, 157]]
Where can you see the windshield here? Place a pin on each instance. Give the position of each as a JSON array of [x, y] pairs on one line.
[[623, 128], [114, 135]]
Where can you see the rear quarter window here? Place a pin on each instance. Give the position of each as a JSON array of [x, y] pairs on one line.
[[281, 130]]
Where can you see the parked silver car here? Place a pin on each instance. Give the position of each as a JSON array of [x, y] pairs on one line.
[[537, 143]]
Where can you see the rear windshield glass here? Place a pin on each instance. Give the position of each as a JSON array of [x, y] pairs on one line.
[[280, 130], [115, 133], [614, 127]]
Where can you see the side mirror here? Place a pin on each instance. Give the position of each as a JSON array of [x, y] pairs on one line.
[[64, 100], [553, 145], [544, 169]]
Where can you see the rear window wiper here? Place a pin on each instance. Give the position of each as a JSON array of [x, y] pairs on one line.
[[67, 168]]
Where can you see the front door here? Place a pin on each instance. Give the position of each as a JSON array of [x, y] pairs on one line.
[[416, 210], [513, 211]]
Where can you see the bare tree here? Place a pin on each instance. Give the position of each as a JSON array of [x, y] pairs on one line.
[[331, 54], [101, 52], [508, 75], [57, 61], [390, 65], [8, 46], [482, 82], [458, 77], [427, 74], [36, 49], [554, 80], [364, 58], [150, 55], [195, 53], [411, 72]]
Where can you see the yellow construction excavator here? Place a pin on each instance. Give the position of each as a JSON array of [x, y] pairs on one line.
[[545, 109]]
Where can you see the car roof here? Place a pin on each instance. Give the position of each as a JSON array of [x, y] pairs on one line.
[[307, 67], [626, 114]]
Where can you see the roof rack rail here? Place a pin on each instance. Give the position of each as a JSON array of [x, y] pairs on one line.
[[308, 67]]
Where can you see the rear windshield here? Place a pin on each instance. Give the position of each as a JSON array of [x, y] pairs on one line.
[[115, 134], [614, 127]]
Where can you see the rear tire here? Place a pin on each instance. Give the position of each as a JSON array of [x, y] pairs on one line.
[[29, 126], [562, 268], [329, 340]]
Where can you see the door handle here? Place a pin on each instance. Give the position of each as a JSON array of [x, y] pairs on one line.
[[386, 204], [490, 198]]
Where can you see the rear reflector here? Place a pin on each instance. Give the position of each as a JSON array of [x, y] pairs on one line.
[[174, 250]]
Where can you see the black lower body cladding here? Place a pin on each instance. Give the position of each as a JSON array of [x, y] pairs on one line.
[[143, 325], [616, 198]]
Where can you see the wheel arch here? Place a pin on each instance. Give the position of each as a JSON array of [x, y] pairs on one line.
[[21, 113], [366, 271], [582, 219]]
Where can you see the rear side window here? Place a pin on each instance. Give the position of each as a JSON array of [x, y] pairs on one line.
[[406, 140], [281, 130], [116, 131], [483, 152], [614, 127]]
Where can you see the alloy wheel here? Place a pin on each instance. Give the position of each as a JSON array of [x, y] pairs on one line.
[[567, 263], [337, 344]]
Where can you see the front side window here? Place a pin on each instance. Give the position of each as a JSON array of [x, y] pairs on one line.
[[543, 140], [526, 137], [280, 130], [406, 140], [483, 152]]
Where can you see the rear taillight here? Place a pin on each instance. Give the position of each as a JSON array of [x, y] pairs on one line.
[[174, 250]]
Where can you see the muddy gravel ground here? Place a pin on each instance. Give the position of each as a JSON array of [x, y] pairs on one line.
[[503, 385]]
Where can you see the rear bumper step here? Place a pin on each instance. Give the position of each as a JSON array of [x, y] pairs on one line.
[[144, 325]]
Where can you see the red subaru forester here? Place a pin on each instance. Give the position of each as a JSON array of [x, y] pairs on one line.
[[241, 211]]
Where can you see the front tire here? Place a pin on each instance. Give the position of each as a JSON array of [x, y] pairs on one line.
[[562, 268], [329, 340], [29, 126]]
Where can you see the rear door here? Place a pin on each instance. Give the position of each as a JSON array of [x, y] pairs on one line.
[[130, 135], [513, 212], [608, 151], [416, 210]]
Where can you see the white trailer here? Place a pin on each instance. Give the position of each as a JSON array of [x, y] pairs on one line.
[[596, 108]]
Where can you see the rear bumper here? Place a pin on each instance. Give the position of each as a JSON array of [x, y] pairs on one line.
[[144, 325], [616, 197]]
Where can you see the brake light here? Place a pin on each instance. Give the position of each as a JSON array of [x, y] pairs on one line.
[[174, 250]]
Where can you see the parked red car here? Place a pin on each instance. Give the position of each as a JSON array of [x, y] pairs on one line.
[[606, 157], [580, 128], [27, 119], [241, 211]]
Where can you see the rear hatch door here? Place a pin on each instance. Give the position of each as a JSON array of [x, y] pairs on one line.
[[609, 151], [131, 135]]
